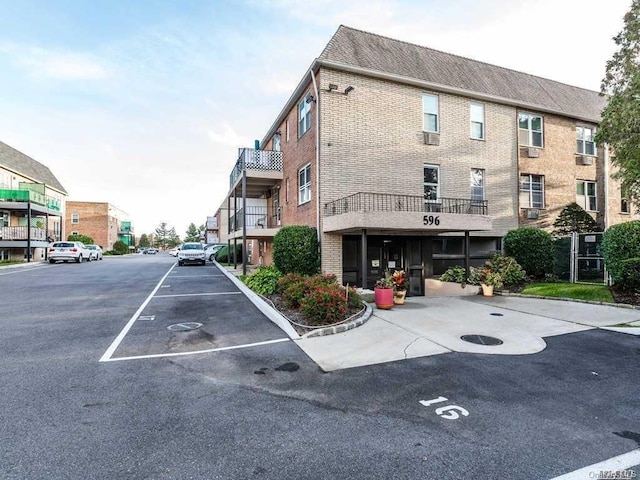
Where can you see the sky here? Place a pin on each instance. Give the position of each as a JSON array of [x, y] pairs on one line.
[[144, 103]]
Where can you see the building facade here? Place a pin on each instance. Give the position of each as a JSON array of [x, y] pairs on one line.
[[32, 205], [406, 157], [103, 222]]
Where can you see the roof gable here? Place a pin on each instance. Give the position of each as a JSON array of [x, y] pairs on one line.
[[24, 165]]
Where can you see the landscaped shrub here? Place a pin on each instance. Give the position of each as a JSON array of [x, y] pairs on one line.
[[457, 274], [222, 255], [287, 280], [76, 237], [324, 305], [532, 248], [296, 287], [120, 248], [510, 272], [619, 243], [295, 250], [264, 280], [630, 274]]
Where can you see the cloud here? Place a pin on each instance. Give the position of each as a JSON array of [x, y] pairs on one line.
[[55, 65], [226, 135]]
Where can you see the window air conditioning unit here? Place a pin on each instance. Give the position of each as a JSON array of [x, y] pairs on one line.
[[532, 213], [532, 152], [431, 138], [585, 160]]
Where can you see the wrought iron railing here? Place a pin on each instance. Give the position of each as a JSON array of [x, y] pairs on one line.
[[256, 217], [252, 159], [387, 202], [21, 233], [13, 195]]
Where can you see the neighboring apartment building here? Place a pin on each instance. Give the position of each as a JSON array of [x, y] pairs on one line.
[[101, 221], [32, 203], [406, 157]]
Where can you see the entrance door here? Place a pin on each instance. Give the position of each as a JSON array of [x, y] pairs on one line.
[[392, 255]]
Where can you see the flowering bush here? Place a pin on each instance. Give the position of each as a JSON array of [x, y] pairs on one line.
[[295, 287], [324, 305]]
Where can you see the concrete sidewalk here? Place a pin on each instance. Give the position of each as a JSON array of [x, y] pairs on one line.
[[433, 325]]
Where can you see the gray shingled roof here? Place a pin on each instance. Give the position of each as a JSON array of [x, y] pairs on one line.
[[12, 159], [365, 50]]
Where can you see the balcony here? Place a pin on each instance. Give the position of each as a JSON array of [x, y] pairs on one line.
[[22, 234], [262, 222], [263, 169], [24, 196], [410, 214]]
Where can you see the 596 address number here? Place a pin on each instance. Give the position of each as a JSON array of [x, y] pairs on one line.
[[431, 220]]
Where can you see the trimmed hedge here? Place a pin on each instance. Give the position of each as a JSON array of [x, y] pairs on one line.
[[264, 280], [532, 248], [295, 250], [621, 249], [222, 255]]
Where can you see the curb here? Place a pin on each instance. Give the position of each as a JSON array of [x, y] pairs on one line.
[[320, 332], [575, 300], [23, 265]]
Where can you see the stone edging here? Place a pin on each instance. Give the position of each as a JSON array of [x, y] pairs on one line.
[[319, 332], [576, 300]]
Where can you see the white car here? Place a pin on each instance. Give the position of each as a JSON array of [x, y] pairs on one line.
[[174, 251], [191, 252], [68, 252], [95, 251], [211, 250]]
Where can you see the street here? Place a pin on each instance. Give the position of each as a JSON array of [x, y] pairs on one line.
[[133, 367]]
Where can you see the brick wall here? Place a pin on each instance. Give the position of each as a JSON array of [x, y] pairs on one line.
[[94, 221]]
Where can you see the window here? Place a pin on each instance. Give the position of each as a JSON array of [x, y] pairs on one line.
[[477, 185], [286, 191], [276, 142], [75, 218], [75, 233], [530, 130], [304, 115], [304, 184], [430, 111], [477, 121], [287, 129], [625, 204], [531, 191], [4, 219], [431, 183], [586, 195], [5, 255], [584, 140]]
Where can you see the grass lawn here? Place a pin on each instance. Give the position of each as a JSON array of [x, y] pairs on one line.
[[5, 263], [581, 291]]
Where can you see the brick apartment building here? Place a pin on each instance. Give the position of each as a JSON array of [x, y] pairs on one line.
[[32, 204], [407, 157], [101, 221]]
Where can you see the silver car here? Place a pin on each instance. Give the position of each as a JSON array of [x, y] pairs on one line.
[[95, 251], [68, 252]]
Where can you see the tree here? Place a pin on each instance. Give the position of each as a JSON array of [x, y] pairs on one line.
[[573, 218], [164, 235], [193, 233], [80, 238], [120, 247], [144, 241], [620, 124]]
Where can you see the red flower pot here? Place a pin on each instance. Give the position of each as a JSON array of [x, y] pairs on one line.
[[384, 298]]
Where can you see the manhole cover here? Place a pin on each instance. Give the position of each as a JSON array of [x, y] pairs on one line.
[[184, 327], [481, 340], [497, 314]]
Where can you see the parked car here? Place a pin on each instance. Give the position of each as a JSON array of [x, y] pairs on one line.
[[68, 252], [211, 250], [95, 251], [192, 252], [151, 251], [174, 251]]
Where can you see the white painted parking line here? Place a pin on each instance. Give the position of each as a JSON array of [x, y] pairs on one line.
[[197, 352], [197, 294], [613, 468], [127, 327]]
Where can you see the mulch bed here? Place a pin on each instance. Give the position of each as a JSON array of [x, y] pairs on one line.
[[628, 297]]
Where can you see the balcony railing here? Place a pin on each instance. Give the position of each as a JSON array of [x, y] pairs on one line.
[[252, 159], [21, 233], [11, 195], [256, 217], [386, 202]]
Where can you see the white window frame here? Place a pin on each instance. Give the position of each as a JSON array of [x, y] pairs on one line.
[[287, 129], [435, 113], [582, 142], [584, 199], [304, 115], [431, 184], [475, 121], [75, 218], [478, 188], [528, 192], [304, 184], [529, 131]]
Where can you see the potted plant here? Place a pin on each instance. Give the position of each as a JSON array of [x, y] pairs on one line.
[[383, 292], [399, 278], [490, 280]]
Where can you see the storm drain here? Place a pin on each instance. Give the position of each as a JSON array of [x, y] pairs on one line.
[[184, 327], [482, 340]]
